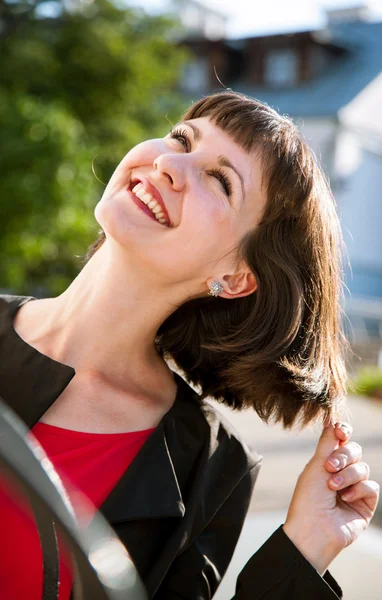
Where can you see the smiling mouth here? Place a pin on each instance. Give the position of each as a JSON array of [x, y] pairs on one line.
[[147, 202]]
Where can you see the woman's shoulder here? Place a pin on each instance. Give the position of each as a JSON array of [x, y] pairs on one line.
[[207, 450], [208, 422], [9, 304], [223, 431]]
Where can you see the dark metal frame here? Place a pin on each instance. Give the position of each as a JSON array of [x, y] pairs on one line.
[[102, 566]]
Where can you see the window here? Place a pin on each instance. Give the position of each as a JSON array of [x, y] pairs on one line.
[[281, 68], [195, 76]]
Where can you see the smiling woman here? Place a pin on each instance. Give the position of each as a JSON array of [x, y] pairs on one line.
[[220, 251], [261, 349]]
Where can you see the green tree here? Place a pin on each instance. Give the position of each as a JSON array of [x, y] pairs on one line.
[[82, 86]]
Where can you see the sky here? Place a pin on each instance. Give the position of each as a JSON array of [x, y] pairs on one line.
[[248, 17]]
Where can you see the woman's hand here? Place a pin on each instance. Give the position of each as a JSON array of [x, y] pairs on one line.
[[325, 516]]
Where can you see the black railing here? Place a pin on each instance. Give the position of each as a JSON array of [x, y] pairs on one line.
[[102, 567]]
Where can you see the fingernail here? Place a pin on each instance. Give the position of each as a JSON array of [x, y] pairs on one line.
[[347, 496], [345, 428], [337, 480], [334, 462]]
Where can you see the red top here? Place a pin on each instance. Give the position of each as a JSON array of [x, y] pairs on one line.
[[94, 462]]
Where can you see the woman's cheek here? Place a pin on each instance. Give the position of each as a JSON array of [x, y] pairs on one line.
[[121, 175], [211, 211], [143, 154]]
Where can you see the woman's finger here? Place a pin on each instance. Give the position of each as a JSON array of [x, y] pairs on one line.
[[343, 431], [344, 456], [350, 476], [363, 490]]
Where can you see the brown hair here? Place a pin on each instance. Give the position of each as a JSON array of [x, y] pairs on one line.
[[279, 350]]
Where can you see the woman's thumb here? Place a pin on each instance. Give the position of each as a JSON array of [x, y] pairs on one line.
[[327, 443]]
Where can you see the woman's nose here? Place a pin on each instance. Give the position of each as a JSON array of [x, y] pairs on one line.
[[167, 165]]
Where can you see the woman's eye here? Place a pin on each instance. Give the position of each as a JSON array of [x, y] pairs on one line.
[[182, 137], [223, 179]]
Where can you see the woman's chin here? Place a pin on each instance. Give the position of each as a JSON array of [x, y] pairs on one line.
[[111, 214], [98, 210]]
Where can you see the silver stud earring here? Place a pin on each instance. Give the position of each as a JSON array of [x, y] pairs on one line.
[[215, 288]]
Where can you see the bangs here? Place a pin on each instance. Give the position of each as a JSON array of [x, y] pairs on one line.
[[248, 121]]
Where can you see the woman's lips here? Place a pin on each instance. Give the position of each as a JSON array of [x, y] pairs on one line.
[[155, 193]]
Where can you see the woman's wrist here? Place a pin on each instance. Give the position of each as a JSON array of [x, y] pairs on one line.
[[315, 548]]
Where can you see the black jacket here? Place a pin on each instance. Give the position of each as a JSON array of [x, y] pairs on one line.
[[180, 506]]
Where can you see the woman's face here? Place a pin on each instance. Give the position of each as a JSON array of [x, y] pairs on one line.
[[211, 190]]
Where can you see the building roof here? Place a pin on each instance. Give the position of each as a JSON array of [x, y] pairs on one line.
[[337, 86], [364, 113]]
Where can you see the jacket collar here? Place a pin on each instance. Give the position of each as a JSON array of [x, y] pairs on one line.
[[30, 382]]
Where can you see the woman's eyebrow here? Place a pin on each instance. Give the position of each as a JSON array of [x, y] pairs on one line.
[[195, 129], [222, 160]]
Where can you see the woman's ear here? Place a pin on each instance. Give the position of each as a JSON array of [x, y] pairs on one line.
[[237, 285]]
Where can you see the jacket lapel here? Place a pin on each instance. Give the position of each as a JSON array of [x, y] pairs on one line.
[[152, 485], [149, 487]]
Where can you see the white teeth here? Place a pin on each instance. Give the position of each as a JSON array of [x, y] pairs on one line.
[[153, 204], [147, 198], [140, 193]]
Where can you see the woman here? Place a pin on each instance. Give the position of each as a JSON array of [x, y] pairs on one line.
[[219, 250]]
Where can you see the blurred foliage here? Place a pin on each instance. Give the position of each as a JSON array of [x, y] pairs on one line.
[[368, 382], [85, 84]]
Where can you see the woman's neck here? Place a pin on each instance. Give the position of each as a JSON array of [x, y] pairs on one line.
[[105, 322]]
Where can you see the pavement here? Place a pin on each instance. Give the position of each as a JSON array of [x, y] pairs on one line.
[[358, 569]]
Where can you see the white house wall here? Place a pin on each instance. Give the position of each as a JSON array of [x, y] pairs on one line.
[[355, 175], [360, 205], [320, 134]]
